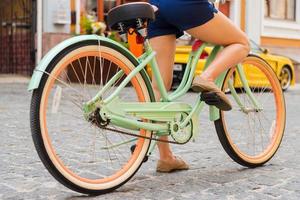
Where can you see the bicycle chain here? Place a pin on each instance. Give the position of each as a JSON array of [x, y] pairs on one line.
[[140, 136]]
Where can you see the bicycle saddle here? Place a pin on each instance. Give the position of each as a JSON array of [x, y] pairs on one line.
[[130, 15]]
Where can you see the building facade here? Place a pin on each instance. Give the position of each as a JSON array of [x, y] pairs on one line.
[[274, 24], [19, 31], [270, 23], [17, 36]]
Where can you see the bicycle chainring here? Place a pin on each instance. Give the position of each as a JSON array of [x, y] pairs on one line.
[[183, 135]]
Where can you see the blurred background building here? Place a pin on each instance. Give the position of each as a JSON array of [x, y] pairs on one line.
[[275, 24], [27, 33]]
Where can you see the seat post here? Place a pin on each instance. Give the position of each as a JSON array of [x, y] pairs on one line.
[[141, 28], [122, 32]]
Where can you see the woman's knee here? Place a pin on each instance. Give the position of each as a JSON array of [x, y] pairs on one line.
[[242, 43], [245, 44]]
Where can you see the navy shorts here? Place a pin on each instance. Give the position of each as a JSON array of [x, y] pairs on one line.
[[176, 16]]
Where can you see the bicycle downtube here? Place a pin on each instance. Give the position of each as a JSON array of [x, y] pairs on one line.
[[129, 77]]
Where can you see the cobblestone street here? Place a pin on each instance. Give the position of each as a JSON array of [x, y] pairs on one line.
[[213, 175]]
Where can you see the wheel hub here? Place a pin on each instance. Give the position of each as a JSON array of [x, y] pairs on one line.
[[97, 120]]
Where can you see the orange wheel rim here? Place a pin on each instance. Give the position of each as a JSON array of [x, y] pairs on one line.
[[45, 133], [280, 116]]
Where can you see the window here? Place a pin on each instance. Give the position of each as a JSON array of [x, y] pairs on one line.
[[280, 9]]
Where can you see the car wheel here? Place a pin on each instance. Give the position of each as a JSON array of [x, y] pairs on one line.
[[285, 78]]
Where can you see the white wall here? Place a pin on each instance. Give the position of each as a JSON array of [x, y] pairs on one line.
[[235, 12], [56, 16], [254, 15], [257, 25]]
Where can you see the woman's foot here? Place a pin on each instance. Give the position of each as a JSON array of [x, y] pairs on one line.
[[171, 165], [205, 86]]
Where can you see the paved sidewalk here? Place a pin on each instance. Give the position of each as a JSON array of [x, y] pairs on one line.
[[213, 175]]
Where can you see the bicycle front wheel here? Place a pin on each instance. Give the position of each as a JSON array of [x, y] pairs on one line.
[[77, 152], [250, 136]]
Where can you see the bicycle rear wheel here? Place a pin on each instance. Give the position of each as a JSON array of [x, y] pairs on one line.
[[79, 154], [252, 138]]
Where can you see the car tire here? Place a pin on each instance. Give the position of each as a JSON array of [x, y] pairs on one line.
[[285, 78]]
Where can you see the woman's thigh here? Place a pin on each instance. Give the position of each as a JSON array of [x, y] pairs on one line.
[[219, 30]]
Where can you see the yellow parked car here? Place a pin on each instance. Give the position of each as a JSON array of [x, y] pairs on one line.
[[283, 66]]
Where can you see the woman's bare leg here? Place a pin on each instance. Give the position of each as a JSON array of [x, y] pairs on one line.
[[220, 30], [164, 46]]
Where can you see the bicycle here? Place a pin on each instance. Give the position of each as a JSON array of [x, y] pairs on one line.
[[96, 84]]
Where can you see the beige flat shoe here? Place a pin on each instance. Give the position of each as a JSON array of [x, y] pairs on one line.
[[205, 87], [167, 167]]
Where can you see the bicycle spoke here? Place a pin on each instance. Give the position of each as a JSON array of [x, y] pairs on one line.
[[253, 134], [62, 82], [75, 140], [92, 72]]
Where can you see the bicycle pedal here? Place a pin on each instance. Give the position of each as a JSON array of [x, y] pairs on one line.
[[210, 98]]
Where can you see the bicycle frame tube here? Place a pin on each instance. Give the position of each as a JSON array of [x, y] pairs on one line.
[[185, 75], [156, 74], [163, 111], [188, 74], [149, 57], [186, 82], [214, 112], [241, 72], [130, 76], [107, 85]]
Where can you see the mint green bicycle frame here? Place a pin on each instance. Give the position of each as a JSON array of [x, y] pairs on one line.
[[165, 111]]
